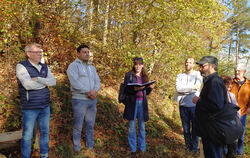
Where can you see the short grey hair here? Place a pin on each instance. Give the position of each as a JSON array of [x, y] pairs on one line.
[[28, 47], [241, 66]]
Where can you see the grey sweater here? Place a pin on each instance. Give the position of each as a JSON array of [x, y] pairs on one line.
[[83, 78]]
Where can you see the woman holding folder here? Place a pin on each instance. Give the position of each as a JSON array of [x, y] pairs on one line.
[[136, 105]]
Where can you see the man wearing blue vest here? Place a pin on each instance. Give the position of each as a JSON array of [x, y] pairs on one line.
[[33, 79]]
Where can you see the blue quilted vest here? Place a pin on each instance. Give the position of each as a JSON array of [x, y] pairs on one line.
[[34, 99]]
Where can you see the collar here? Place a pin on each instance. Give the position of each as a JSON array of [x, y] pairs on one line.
[[236, 80], [79, 61], [210, 76], [33, 64]]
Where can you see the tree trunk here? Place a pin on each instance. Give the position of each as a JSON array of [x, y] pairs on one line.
[[248, 58], [237, 44], [229, 50], [106, 18], [91, 16]]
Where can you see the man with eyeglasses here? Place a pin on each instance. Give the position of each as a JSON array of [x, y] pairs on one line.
[[212, 99], [241, 89], [33, 79]]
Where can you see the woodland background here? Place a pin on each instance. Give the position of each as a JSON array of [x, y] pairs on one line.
[[163, 32]]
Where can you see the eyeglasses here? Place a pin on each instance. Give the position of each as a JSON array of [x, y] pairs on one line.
[[36, 52], [203, 66]]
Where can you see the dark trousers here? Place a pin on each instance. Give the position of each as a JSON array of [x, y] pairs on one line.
[[231, 153], [187, 119], [211, 150]]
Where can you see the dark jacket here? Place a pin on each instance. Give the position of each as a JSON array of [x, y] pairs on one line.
[[131, 101], [34, 99], [212, 99]]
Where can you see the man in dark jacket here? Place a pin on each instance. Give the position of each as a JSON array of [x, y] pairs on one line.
[[211, 100], [33, 79]]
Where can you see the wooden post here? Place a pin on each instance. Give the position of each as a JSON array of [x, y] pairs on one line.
[[9, 139], [2, 156]]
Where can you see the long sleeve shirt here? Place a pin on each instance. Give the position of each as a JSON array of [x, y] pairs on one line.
[[232, 99], [185, 90], [83, 78], [29, 84]]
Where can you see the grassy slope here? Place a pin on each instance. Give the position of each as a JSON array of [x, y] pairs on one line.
[[163, 134], [163, 130]]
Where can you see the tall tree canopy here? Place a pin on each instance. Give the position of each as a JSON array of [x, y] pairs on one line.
[[163, 32]]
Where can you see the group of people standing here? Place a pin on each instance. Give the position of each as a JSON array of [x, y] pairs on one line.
[[34, 78], [195, 107]]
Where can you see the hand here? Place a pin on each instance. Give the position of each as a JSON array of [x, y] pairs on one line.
[[196, 87], [248, 110], [139, 88], [152, 86], [195, 99], [35, 79], [92, 94]]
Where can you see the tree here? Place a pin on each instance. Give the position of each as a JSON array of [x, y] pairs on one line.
[[240, 27]]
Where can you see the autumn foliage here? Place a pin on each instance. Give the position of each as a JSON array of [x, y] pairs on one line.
[[163, 32]]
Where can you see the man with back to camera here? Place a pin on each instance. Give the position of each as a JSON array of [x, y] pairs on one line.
[[85, 84], [241, 90], [211, 100], [33, 79], [187, 86]]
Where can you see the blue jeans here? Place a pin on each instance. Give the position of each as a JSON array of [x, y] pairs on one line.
[[30, 117], [191, 139], [211, 150], [141, 129], [83, 109], [243, 120]]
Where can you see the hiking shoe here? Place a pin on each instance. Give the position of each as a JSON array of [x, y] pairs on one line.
[[196, 154], [141, 153], [133, 154]]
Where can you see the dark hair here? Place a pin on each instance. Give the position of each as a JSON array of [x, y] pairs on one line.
[[143, 72], [82, 46], [227, 80]]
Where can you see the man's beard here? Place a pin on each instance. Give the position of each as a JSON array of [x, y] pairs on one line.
[[204, 74], [189, 68]]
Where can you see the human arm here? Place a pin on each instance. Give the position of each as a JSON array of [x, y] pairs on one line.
[[25, 79], [195, 99], [97, 81], [48, 81], [73, 75], [214, 99], [186, 84], [93, 93], [248, 105], [128, 79]]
